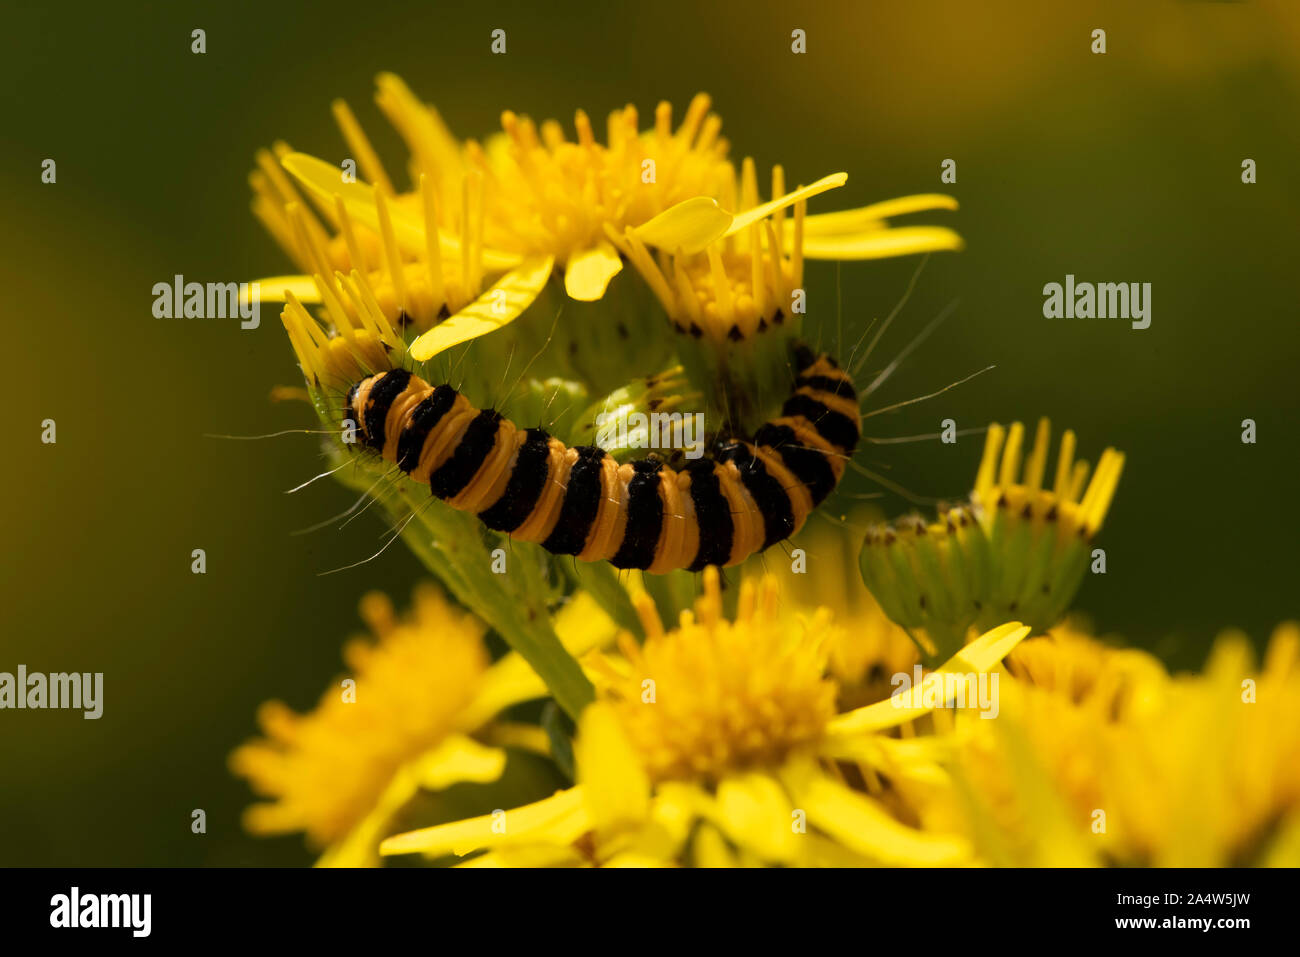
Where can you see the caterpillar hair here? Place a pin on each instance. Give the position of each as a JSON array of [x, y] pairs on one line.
[[717, 510]]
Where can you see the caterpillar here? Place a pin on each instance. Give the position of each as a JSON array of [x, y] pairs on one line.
[[717, 510]]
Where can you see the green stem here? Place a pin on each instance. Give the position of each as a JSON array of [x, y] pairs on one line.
[[454, 547], [517, 615], [600, 581]]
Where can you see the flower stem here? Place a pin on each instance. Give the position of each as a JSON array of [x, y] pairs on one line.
[[509, 589]]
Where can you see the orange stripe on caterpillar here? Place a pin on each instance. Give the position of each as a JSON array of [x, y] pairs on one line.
[[717, 510]]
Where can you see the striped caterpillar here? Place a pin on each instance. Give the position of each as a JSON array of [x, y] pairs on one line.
[[580, 501]]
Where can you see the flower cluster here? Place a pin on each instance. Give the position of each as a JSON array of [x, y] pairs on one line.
[[933, 703]]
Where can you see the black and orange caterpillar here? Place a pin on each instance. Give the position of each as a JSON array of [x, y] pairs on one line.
[[718, 510]]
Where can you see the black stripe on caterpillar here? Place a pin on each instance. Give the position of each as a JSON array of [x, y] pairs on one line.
[[717, 510]]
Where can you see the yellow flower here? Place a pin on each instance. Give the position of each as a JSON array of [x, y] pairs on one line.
[[1212, 778], [1019, 550], [530, 199], [363, 342], [1034, 776], [721, 696], [715, 743], [865, 649], [1102, 758], [1074, 511], [743, 280], [414, 713], [1113, 683]]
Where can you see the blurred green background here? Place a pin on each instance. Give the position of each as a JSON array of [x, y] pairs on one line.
[[1122, 167]]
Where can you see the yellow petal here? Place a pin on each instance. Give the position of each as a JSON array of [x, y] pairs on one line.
[[557, 820], [458, 759], [870, 217], [359, 846], [916, 203], [977, 657], [326, 181], [610, 772], [694, 223], [588, 273], [755, 812], [277, 288], [430, 139], [986, 650], [1058, 841], [455, 760], [863, 825], [710, 849], [518, 734], [689, 226], [582, 625], [882, 243], [1284, 849], [508, 682], [749, 216], [674, 810], [633, 859], [355, 850], [819, 851], [499, 306], [530, 856], [916, 758]]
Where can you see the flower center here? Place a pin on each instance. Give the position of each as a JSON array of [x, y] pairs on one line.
[[712, 696]]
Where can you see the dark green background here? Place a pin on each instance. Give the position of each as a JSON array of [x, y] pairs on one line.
[[1123, 167]]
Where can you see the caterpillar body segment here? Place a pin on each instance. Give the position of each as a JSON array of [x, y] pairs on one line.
[[718, 510]]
